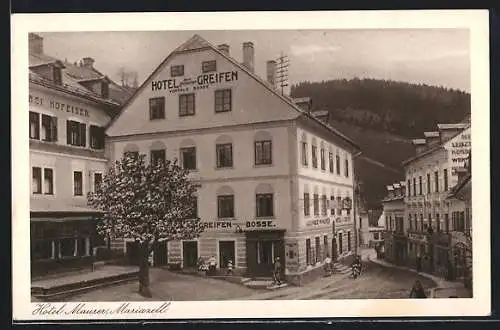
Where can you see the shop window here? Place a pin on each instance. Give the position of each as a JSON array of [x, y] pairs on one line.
[[316, 204], [157, 108], [36, 185], [263, 153], [224, 155], [225, 206], [337, 163], [48, 180], [176, 70], [77, 183], [96, 137], [49, 128], [322, 159], [186, 105], [307, 206], [208, 66], [308, 251], [314, 150], [34, 125], [157, 156], [188, 158], [304, 153], [264, 203], [330, 162], [223, 100], [76, 133]]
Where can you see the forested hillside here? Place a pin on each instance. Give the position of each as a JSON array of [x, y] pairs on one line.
[[397, 107], [382, 117]]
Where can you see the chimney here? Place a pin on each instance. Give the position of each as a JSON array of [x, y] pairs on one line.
[[432, 138], [248, 55], [88, 62], [271, 73], [35, 43], [420, 145], [224, 48]]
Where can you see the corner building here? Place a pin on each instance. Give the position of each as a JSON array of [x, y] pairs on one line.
[[268, 169]]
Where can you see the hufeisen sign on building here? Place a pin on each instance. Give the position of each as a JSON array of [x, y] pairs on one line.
[[174, 85]]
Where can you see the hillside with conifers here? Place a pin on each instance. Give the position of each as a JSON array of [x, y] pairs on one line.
[[382, 117]]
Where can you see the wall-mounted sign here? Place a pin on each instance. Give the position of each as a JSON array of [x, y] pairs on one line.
[[183, 85], [260, 224], [239, 226], [417, 237], [54, 105], [218, 225], [459, 150], [318, 222]]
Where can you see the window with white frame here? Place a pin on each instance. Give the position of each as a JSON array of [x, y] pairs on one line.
[[78, 183]]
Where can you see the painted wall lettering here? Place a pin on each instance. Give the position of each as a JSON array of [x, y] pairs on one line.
[[175, 85], [318, 222], [54, 105]]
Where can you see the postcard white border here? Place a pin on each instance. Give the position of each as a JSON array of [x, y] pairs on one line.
[[474, 20]]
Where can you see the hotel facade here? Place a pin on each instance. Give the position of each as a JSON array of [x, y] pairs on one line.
[[69, 106], [274, 179], [436, 224]]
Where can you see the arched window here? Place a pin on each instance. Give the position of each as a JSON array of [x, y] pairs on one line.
[[225, 202], [187, 154], [157, 150], [131, 150], [224, 151], [264, 201], [263, 148]]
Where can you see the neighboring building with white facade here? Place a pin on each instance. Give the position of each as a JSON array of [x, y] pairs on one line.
[[69, 106], [268, 169], [430, 175]]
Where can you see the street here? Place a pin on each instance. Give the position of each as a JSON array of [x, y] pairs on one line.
[[376, 282]]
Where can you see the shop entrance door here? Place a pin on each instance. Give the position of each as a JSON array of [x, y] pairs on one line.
[[226, 253], [262, 250], [160, 254], [190, 254]]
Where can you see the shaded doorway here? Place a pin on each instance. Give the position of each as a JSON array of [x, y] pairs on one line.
[[189, 254], [227, 252], [262, 250], [160, 254]]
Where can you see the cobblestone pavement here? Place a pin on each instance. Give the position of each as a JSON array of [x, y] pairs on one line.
[[167, 285]]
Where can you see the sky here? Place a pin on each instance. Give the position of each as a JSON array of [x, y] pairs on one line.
[[439, 57]]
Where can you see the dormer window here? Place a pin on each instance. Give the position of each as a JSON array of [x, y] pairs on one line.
[[57, 76], [105, 89]]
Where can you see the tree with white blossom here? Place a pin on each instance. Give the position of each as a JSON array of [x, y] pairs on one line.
[[146, 203]]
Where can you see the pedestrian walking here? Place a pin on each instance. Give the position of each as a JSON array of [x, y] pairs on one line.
[[417, 291], [277, 271]]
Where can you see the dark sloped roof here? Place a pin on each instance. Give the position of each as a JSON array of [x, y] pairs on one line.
[[41, 59]]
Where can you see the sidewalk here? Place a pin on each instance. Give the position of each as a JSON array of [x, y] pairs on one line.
[[443, 289]]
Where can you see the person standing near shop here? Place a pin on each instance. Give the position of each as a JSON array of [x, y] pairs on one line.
[[212, 263], [277, 271]]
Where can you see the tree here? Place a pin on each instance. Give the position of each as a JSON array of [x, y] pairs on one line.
[[146, 203]]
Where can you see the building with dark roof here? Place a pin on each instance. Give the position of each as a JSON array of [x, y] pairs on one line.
[[69, 106], [275, 180]]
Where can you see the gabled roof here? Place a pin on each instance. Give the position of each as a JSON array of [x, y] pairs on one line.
[[81, 73], [42, 59], [198, 43]]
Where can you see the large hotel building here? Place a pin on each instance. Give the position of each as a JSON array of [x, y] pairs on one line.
[[275, 179], [69, 106]]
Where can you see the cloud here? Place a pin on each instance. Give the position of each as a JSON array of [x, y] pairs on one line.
[[313, 49]]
